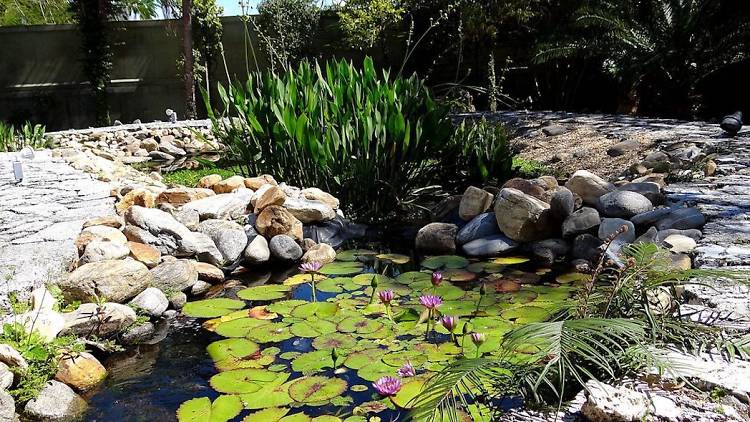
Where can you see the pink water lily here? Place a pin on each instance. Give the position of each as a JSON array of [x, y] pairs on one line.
[[310, 267], [387, 386], [407, 370], [449, 322], [386, 296], [437, 278], [478, 338], [430, 301]]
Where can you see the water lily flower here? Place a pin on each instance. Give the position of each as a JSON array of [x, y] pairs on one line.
[[437, 278], [478, 338], [310, 267], [449, 322], [430, 301], [407, 370], [387, 386], [386, 296]]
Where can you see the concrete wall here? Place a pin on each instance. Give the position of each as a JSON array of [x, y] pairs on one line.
[[42, 80]]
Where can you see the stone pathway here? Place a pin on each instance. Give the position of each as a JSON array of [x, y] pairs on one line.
[[40, 218]]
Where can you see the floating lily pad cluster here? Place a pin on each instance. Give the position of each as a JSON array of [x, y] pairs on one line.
[[286, 359]]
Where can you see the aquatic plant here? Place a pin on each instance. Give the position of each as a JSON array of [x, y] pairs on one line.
[[311, 268], [387, 386], [407, 370], [450, 323], [436, 279]]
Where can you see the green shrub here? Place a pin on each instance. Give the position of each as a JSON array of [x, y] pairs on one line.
[[11, 139], [369, 139], [190, 177], [287, 28], [482, 152]]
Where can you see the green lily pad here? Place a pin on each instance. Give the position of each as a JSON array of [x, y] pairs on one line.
[[522, 296], [315, 389], [366, 279], [239, 327], [268, 397], [394, 258], [449, 292], [375, 371], [363, 358], [297, 417], [485, 267], [285, 307], [405, 397], [273, 414], [526, 314], [459, 276], [201, 409], [413, 277], [329, 285], [212, 308], [511, 260], [265, 292], [312, 362], [457, 308], [336, 341], [319, 309], [273, 332], [342, 268], [445, 262], [244, 381], [231, 348], [312, 329], [572, 278], [359, 325], [398, 359], [353, 254], [303, 278]]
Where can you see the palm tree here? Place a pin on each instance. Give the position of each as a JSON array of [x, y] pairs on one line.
[[661, 47]]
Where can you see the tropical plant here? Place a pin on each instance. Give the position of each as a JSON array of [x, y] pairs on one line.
[[287, 28], [27, 12], [482, 153], [659, 50], [364, 136], [11, 139], [623, 323]]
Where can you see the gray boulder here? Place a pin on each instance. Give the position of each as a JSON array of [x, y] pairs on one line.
[[582, 221], [116, 281], [101, 320], [7, 406], [188, 217], [649, 236], [284, 248], [650, 190], [587, 246], [222, 206], [160, 230], [257, 251], [546, 252], [56, 403], [309, 211], [481, 226], [563, 203], [489, 246], [102, 250], [694, 234], [437, 238], [623, 204], [6, 378], [522, 217], [588, 186], [610, 225], [682, 219], [650, 218], [138, 333], [152, 301], [474, 202], [229, 237], [623, 147], [607, 403], [176, 275]]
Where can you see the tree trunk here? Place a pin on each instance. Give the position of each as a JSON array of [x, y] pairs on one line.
[[187, 52]]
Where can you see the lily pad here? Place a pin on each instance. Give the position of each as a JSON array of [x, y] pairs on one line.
[[354, 254], [231, 348], [336, 341], [244, 381], [459, 276], [315, 389], [342, 268], [212, 308], [363, 358], [412, 277], [319, 309], [359, 325], [285, 307], [375, 371], [526, 314], [405, 397], [394, 258], [312, 329], [201, 409], [268, 397], [485, 267], [273, 332], [445, 262], [265, 292], [572, 278], [366, 279], [303, 278], [329, 285], [239, 327], [511, 260], [312, 362], [273, 414]]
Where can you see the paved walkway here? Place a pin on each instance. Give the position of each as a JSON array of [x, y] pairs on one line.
[[41, 217]]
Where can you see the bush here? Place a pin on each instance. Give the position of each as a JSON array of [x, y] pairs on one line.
[[11, 139], [482, 153], [369, 139], [287, 28]]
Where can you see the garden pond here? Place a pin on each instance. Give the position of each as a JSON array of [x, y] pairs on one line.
[[267, 350]]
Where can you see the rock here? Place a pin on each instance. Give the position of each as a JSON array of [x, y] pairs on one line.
[[648, 237], [547, 183], [489, 246], [47, 323], [225, 206], [209, 273], [41, 298], [610, 225], [100, 320], [587, 247], [255, 197], [658, 178], [160, 230], [315, 194], [650, 190], [275, 220], [582, 221], [527, 187], [114, 221], [308, 211], [474, 202], [200, 287], [623, 147], [106, 233], [140, 197], [732, 123], [208, 182], [709, 169], [638, 169], [255, 183], [168, 147], [149, 144], [12, 358], [307, 244], [650, 218], [522, 217], [146, 254], [681, 262], [7, 406], [284, 248], [623, 204], [562, 203], [56, 403], [177, 300], [273, 195], [257, 251], [682, 219], [605, 403], [82, 371], [588, 186], [546, 252], [175, 275], [665, 409], [678, 243], [437, 239], [229, 237], [694, 234], [6, 380], [102, 250], [181, 196], [481, 226], [139, 333], [116, 281], [321, 253], [554, 130], [229, 185], [188, 218], [152, 301]]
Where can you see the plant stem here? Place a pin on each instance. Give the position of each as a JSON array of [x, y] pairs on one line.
[[312, 284]]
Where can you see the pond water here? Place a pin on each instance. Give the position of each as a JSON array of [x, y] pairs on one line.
[[266, 350]]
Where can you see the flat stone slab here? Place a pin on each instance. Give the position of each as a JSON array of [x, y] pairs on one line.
[[41, 216]]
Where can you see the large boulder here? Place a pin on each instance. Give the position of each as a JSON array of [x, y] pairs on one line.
[[272, 195], [6, 379], [209, 273], [537, 190], [315, 194], [257, 251], [229, 237], [229, 185], [682, 219], [181, 196], [144, 253], [624, 204], [45, 322], [334, 232], [582, 221], [100, 320], [321, 253], [605, 403], [284, 248], [474, 201], [650, 190], [116, 281], [546, 252], [7, 406], [256, 183], [160, 230], [81, 371], [437, 238], [562, 203], [176, 275], [105, 233], [275, 220], [522, 217], [481, 226], [588, 186], [587, 246], [489, 246], [308, 211], [610, 226], [151, 301], [102, 250], [223, 206], [650, 218], [55, 403]]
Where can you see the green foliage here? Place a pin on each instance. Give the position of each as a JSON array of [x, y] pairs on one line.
[[11, 139], [41, 356], [483, 154], [366, 21], [287, 28], [27, 12], [190, 177], [371, 140], [529, 169]]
